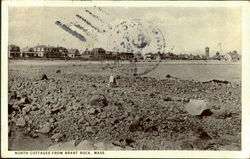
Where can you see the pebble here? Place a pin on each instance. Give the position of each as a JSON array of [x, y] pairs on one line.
[[89, 129], [20, 122], [57, 137]]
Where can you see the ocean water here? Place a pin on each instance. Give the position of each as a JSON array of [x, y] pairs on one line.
[[198, 71]]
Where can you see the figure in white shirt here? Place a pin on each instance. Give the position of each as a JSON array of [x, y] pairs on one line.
[[112, 81]]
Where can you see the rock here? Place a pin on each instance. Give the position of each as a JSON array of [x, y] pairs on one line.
[[186, 145], [219, 81], [24, 100], [92, 111], [57, 137], [81, 121], [52, 120], [34, 107], [222, 113], [43, 77], [106, 146], [58, 71], [47, 111], [33, 135], [85, 145], [196, 107], [45, 128], [20, 122], [178, 99], [167, 99], [98, 100], [168, 76], [26, 109], [63, 146], [9, 130], [89, 130], [201, 134], [12, 95], [56, 109]]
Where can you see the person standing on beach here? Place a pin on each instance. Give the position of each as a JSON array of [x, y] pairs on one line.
[[112, 80]]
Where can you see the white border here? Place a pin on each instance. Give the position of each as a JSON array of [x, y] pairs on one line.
[[244, 153]]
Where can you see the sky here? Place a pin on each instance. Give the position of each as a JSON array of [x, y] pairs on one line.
[[185, 29]]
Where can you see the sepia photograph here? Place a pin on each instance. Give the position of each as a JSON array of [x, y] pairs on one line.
[[92, 79]]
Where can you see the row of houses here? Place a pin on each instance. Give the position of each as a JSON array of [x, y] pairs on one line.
[[43, 51]]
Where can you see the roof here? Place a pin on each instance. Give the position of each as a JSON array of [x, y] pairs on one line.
[[26, 49], [73, 51], [233, 54], [126, 53], [41, 46], [12, 45], [98, 49]]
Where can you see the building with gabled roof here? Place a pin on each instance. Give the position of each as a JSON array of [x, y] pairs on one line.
[[14, 51], [73, 53]]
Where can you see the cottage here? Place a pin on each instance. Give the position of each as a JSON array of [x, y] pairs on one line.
[[149, 56], [14, 51], [53, 52], [40, 50], [63, 50], [232, 56], [73, 53], [217, 56], [99, 53], [48, 51], [126, 56], [87, 55], [28, 52]]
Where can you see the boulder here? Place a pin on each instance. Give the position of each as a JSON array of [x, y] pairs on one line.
[[98, 100], [89, 130], [63, 146], [92, 111], [20, 122], [43, 76], [106, 146], [26, 109], [57, 136], [168, 76], [85, 145], [45, 128], [12, 95], [196, 107], [186, 145], [81, 121], [25, 100]]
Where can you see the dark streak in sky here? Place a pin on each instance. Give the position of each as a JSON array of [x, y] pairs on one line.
[[102, 11], [74, 33], [87, 22], [98, 18]]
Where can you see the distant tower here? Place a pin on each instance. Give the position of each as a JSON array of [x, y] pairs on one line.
[[207, 51]]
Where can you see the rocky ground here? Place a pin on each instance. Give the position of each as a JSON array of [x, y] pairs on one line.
[[75, 106]]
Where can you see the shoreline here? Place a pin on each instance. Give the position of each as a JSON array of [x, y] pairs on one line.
[[167, 62]]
